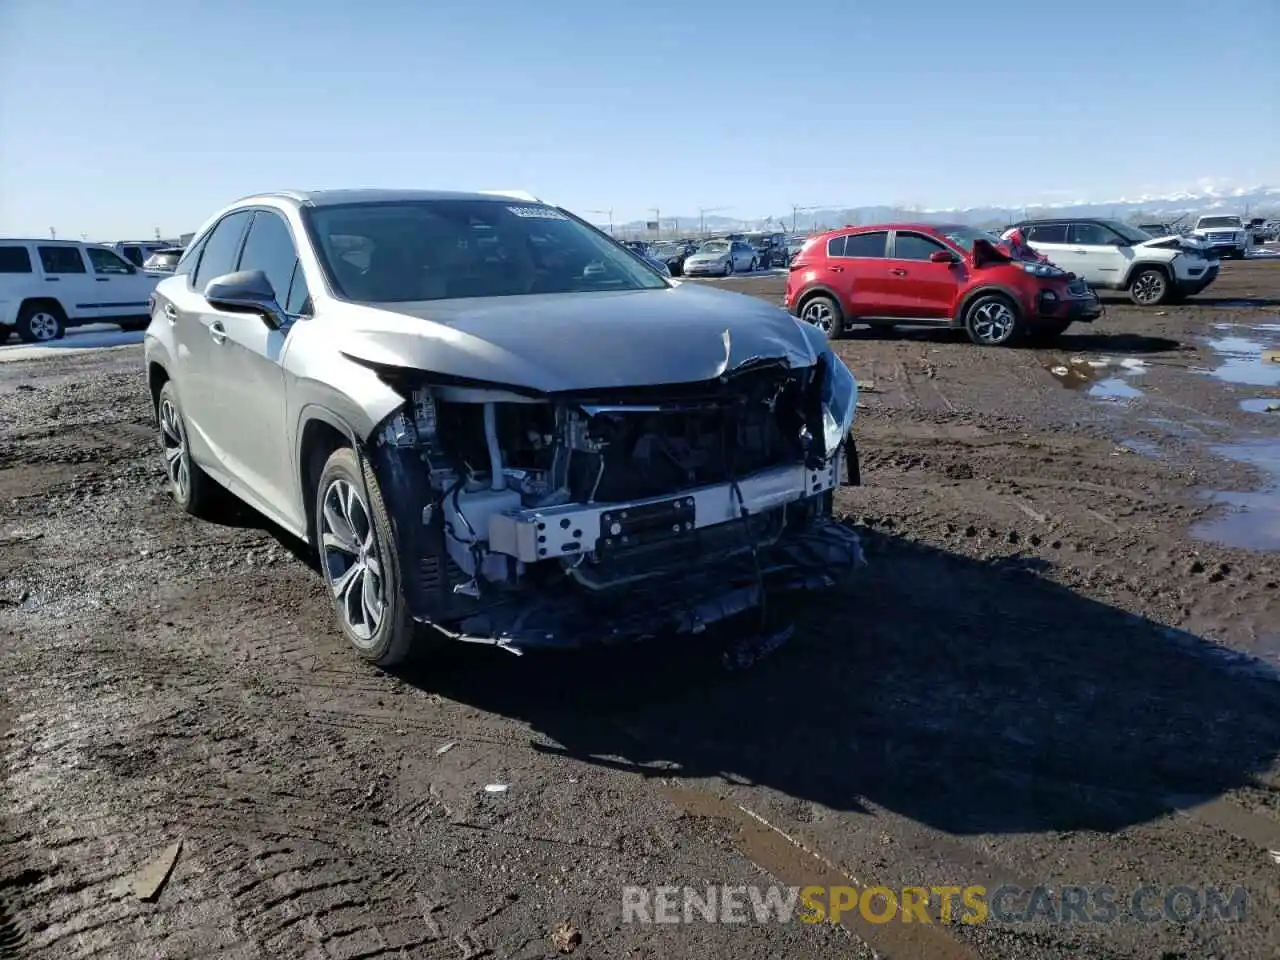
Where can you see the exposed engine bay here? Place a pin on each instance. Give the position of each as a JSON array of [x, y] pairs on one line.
[[556, 520]]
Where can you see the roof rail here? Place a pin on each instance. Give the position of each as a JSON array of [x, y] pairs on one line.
[[524, 195]]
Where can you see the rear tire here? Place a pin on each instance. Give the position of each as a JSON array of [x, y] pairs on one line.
[[992, 320], [365, 586], [5, 330], [133, 326], [41, 323], [824, 313], [191, 488], [1149, 287]]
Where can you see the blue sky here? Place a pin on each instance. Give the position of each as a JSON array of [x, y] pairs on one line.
[[118, 117]]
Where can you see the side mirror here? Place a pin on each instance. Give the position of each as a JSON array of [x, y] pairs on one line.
[[942, 256], [248, 291]]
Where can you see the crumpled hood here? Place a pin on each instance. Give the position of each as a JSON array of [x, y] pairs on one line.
[[1173, 242], [555, 343]]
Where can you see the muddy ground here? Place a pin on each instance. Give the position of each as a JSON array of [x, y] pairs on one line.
[[1058, 668]]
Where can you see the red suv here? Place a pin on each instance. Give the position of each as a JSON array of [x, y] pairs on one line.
[[936, 275]]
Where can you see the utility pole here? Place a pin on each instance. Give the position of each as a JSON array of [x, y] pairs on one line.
[[657, 219], [609, 214], [53, 234], [702, 218]]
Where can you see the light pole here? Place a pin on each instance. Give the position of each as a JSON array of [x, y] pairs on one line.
[[657, 219], [609, 214]]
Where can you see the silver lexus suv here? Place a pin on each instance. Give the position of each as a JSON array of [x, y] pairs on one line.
[[489, 419]]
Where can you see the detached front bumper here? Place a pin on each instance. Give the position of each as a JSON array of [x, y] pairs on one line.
[[686, 598]]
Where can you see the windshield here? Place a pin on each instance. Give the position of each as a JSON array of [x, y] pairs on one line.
[[400, 251], [1128, 234], [664, 250], [714, 246], [1219, 222], [1155, 229], [163, 261], [965, 237]]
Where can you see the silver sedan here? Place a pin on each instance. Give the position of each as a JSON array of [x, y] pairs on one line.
[[721, 258]]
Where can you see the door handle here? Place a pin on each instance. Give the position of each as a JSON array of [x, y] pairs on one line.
[[217, 331], [836, 269], [898, 272], [1079, 251], [103, 279], [52, 279]]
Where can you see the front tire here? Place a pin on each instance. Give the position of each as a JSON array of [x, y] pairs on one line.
[[825, 314], [360, 565], [992, 320], [728, 268], [1149, 287], [5, 330], [133, 326], [191, 488], [41, 323]]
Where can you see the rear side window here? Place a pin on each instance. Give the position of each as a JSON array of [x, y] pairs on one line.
[[15, 260], [134, 255], [835, 247], [61, 260], [1048, 233], [221, 249], [865, 244]]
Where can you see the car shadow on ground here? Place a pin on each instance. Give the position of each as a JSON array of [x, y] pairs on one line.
[[1234, 302], [974, 697]]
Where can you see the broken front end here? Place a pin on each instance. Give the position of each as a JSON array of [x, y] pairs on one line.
[[526, 519]]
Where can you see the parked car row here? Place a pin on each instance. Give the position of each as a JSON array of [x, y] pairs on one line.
[[47, 286]]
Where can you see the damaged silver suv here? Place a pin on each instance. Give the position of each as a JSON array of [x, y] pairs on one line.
[[487, 417]]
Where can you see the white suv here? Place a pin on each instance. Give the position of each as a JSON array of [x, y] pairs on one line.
[[1223, 236], [1111, 255], [49, 285]]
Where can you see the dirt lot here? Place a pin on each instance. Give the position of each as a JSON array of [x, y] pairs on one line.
[[1059, 669]]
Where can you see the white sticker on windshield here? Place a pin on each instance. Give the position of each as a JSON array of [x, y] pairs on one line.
[[538, 213]]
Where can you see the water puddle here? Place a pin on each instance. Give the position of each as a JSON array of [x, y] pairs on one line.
[[1251, 520], [1102, 379], [1248, 360], [1260, 405]]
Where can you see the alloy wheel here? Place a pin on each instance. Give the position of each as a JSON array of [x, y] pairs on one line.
[[43, 325], [993, 322], [174, 437], [350, 554], [1148, 288], [820, 315]]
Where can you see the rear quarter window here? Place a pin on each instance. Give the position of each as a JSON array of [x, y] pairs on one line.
[[15, 260]]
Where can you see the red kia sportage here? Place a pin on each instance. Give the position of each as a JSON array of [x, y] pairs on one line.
[[935, 275]]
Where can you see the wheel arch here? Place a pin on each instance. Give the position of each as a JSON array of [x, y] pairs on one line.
[[157, 377], [320, 433], [819, 290], [1139, 265], [962, 308]]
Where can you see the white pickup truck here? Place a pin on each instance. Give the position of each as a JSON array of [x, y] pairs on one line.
[[1222, 236], [49, 285]]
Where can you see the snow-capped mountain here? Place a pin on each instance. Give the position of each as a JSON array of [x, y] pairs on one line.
[[1208, 196]]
